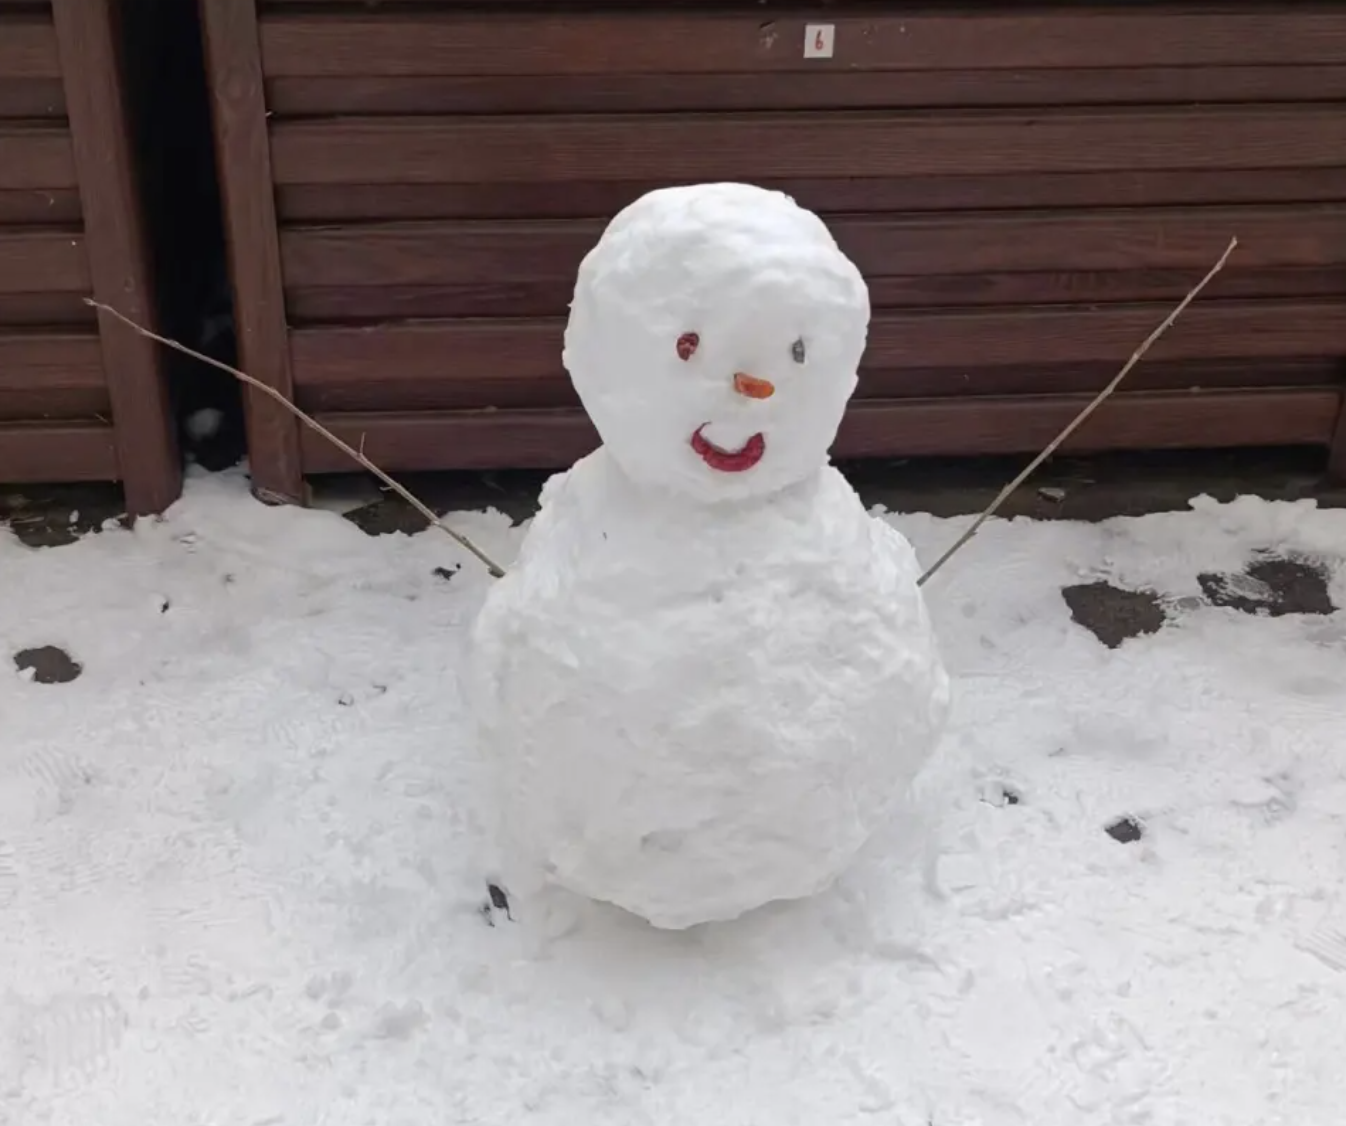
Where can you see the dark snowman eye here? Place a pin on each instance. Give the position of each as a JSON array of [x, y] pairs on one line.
[[797, 351], [687, 344]]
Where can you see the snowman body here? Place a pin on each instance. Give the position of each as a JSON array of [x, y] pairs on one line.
[[710, 673]]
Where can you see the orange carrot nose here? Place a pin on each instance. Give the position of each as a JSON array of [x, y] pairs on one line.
[[753, 387]]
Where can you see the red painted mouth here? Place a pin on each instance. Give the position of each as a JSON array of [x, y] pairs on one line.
[[729, 461]]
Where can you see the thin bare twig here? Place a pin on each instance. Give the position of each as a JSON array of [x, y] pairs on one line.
[[1075, 423], [356, 455], [498, 572]]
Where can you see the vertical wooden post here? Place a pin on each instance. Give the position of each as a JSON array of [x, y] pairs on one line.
[[243, 157], [150, 466]]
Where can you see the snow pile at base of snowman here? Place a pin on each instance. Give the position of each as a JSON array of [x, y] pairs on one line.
[[710, 674]]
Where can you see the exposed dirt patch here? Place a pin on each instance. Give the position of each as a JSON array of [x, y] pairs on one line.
[[1272, 586], [1114, 615], [48, 664], [56, 515], [387, 517]]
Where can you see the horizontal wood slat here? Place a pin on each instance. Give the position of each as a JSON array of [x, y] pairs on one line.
[[1157, 238], [547, 439], [28, 48], [35, 158], [46, 404], [60, 451], [56, 361], [528, 268], [36, 206], [498, 351], [844, 145], [38, 261], [327, 203], [544, 296], [635, 93], [473, 390], [45, 310], [539, 43], [40, 98]]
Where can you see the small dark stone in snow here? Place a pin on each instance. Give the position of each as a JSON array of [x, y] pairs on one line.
[[49, 664], [498, 901], [445, 574], [1010, 795], [1126, 830]]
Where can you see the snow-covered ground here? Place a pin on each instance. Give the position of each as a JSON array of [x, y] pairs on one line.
[[242, 876]]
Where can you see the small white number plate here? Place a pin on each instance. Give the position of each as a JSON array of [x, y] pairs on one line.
[[819, 40]]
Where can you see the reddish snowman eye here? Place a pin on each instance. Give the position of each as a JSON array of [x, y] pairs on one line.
[[687, 344]]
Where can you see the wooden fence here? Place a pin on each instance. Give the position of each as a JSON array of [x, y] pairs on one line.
[[409, 190], [78, 400]]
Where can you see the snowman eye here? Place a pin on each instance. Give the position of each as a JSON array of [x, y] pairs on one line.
[[687, 344], [797, 351]]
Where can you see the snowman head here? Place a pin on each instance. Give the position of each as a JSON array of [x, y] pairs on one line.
[[714, 339]]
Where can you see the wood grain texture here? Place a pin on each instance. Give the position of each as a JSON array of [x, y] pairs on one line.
[[37, 403], [1028, 190], [562, 150], [370, 272], [543, 296], [815, 90], [550, 439], [28, 48], [46, 310], [70, 361], [118, 253], [36, 452], [540, 43], [39, 206], [35, 260], [497, 351], [24, 98], [328, 203], [233, 61], [476, 390], [35, 157]]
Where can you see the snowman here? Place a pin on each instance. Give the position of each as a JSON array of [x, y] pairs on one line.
[[710, 674]]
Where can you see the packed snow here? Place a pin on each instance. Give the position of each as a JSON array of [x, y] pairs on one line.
[[710, 676], [243, 862], [691, 287]]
